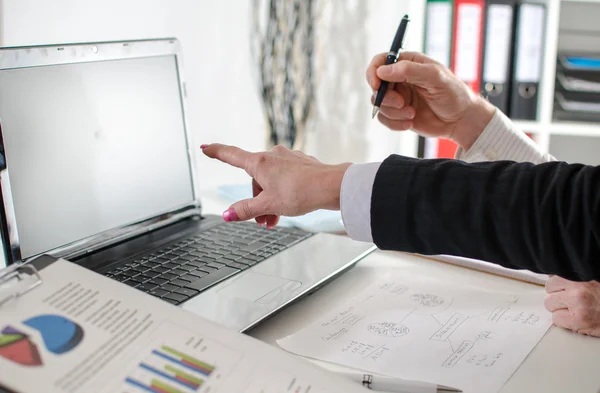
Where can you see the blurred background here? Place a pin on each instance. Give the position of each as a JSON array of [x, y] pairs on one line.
[[223, 86], [227, 44]]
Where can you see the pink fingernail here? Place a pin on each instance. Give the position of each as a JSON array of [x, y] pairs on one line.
[[230, 215], [203, 146]]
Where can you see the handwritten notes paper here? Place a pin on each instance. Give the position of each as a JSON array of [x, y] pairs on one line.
[[421, 331]]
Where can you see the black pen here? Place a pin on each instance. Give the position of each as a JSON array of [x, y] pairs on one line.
[[392, 57]]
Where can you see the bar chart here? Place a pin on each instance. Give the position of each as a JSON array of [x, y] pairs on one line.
[[168, 370], [184, 360], [180, 363], [180, 360]]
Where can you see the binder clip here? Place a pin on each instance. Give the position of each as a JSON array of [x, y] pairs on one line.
[[16, 275]]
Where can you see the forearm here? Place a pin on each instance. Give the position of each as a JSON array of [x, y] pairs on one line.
[[501, 139], [539, 217], [498, 139]]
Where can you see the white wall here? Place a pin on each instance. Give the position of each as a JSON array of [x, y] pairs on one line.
[[216, 55], [217, 65], [349, 34]]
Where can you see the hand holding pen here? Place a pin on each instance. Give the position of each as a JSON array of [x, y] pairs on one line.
[[392, 57], [425, 96]]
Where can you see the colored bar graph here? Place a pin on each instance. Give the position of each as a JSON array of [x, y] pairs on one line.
[[155, 387], [174, 360], [189, 361], [162, 387], [167, 370], [185, 377], [139, 385], [175, 378]]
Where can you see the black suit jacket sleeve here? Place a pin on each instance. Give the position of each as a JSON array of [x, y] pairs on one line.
[[544, 217]]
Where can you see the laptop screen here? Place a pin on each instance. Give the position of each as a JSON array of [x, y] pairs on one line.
[[92, 146]]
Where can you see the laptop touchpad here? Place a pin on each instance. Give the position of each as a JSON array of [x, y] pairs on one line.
[[260, 288]]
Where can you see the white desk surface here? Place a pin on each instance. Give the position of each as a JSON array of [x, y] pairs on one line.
[[561, 362]]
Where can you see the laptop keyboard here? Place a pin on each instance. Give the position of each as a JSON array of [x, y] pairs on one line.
[[182, 270]]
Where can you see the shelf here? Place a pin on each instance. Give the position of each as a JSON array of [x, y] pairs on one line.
[[559, 128], [575, 129], [581, 1]]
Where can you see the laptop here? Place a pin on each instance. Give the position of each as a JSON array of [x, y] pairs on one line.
[[98, 168]]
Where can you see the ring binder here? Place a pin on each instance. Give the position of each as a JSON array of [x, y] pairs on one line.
[[16, 272], [497, 48], [493, 90], [527, 91], [528, 55]]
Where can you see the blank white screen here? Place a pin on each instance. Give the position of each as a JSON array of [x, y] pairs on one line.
[[92, 146]]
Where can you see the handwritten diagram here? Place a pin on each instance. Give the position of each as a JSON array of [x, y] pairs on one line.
[[393, 288], [485, 335], [499, 313], [423, 332], [427, 299], [437, 307], [458, 354], [449, 327], [344, 317], [388, 329]]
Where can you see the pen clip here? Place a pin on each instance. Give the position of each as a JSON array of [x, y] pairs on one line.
[[367, 381]]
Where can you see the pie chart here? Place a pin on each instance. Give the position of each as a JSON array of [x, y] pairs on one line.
[[18, 348], [60, 334]]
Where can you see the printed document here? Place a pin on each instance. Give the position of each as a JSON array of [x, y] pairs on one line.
[[80, 332]]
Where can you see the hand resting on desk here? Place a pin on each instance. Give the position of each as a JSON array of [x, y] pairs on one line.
[[574, 305]]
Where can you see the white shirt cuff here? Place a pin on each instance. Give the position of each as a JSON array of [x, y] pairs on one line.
[[355, 200], [502, 140]]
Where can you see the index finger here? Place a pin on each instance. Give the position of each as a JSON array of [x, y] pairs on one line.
[[372, 78], [231, 155], [557, 283], [556, 301], [379, 60]]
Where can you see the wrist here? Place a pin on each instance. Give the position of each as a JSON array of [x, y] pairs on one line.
[[477, 116], [331, 186]]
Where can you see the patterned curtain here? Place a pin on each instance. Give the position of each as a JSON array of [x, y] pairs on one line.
[[283, 46]]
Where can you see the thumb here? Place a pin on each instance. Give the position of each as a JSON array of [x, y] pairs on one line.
[[247, 209], [422, 75]]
